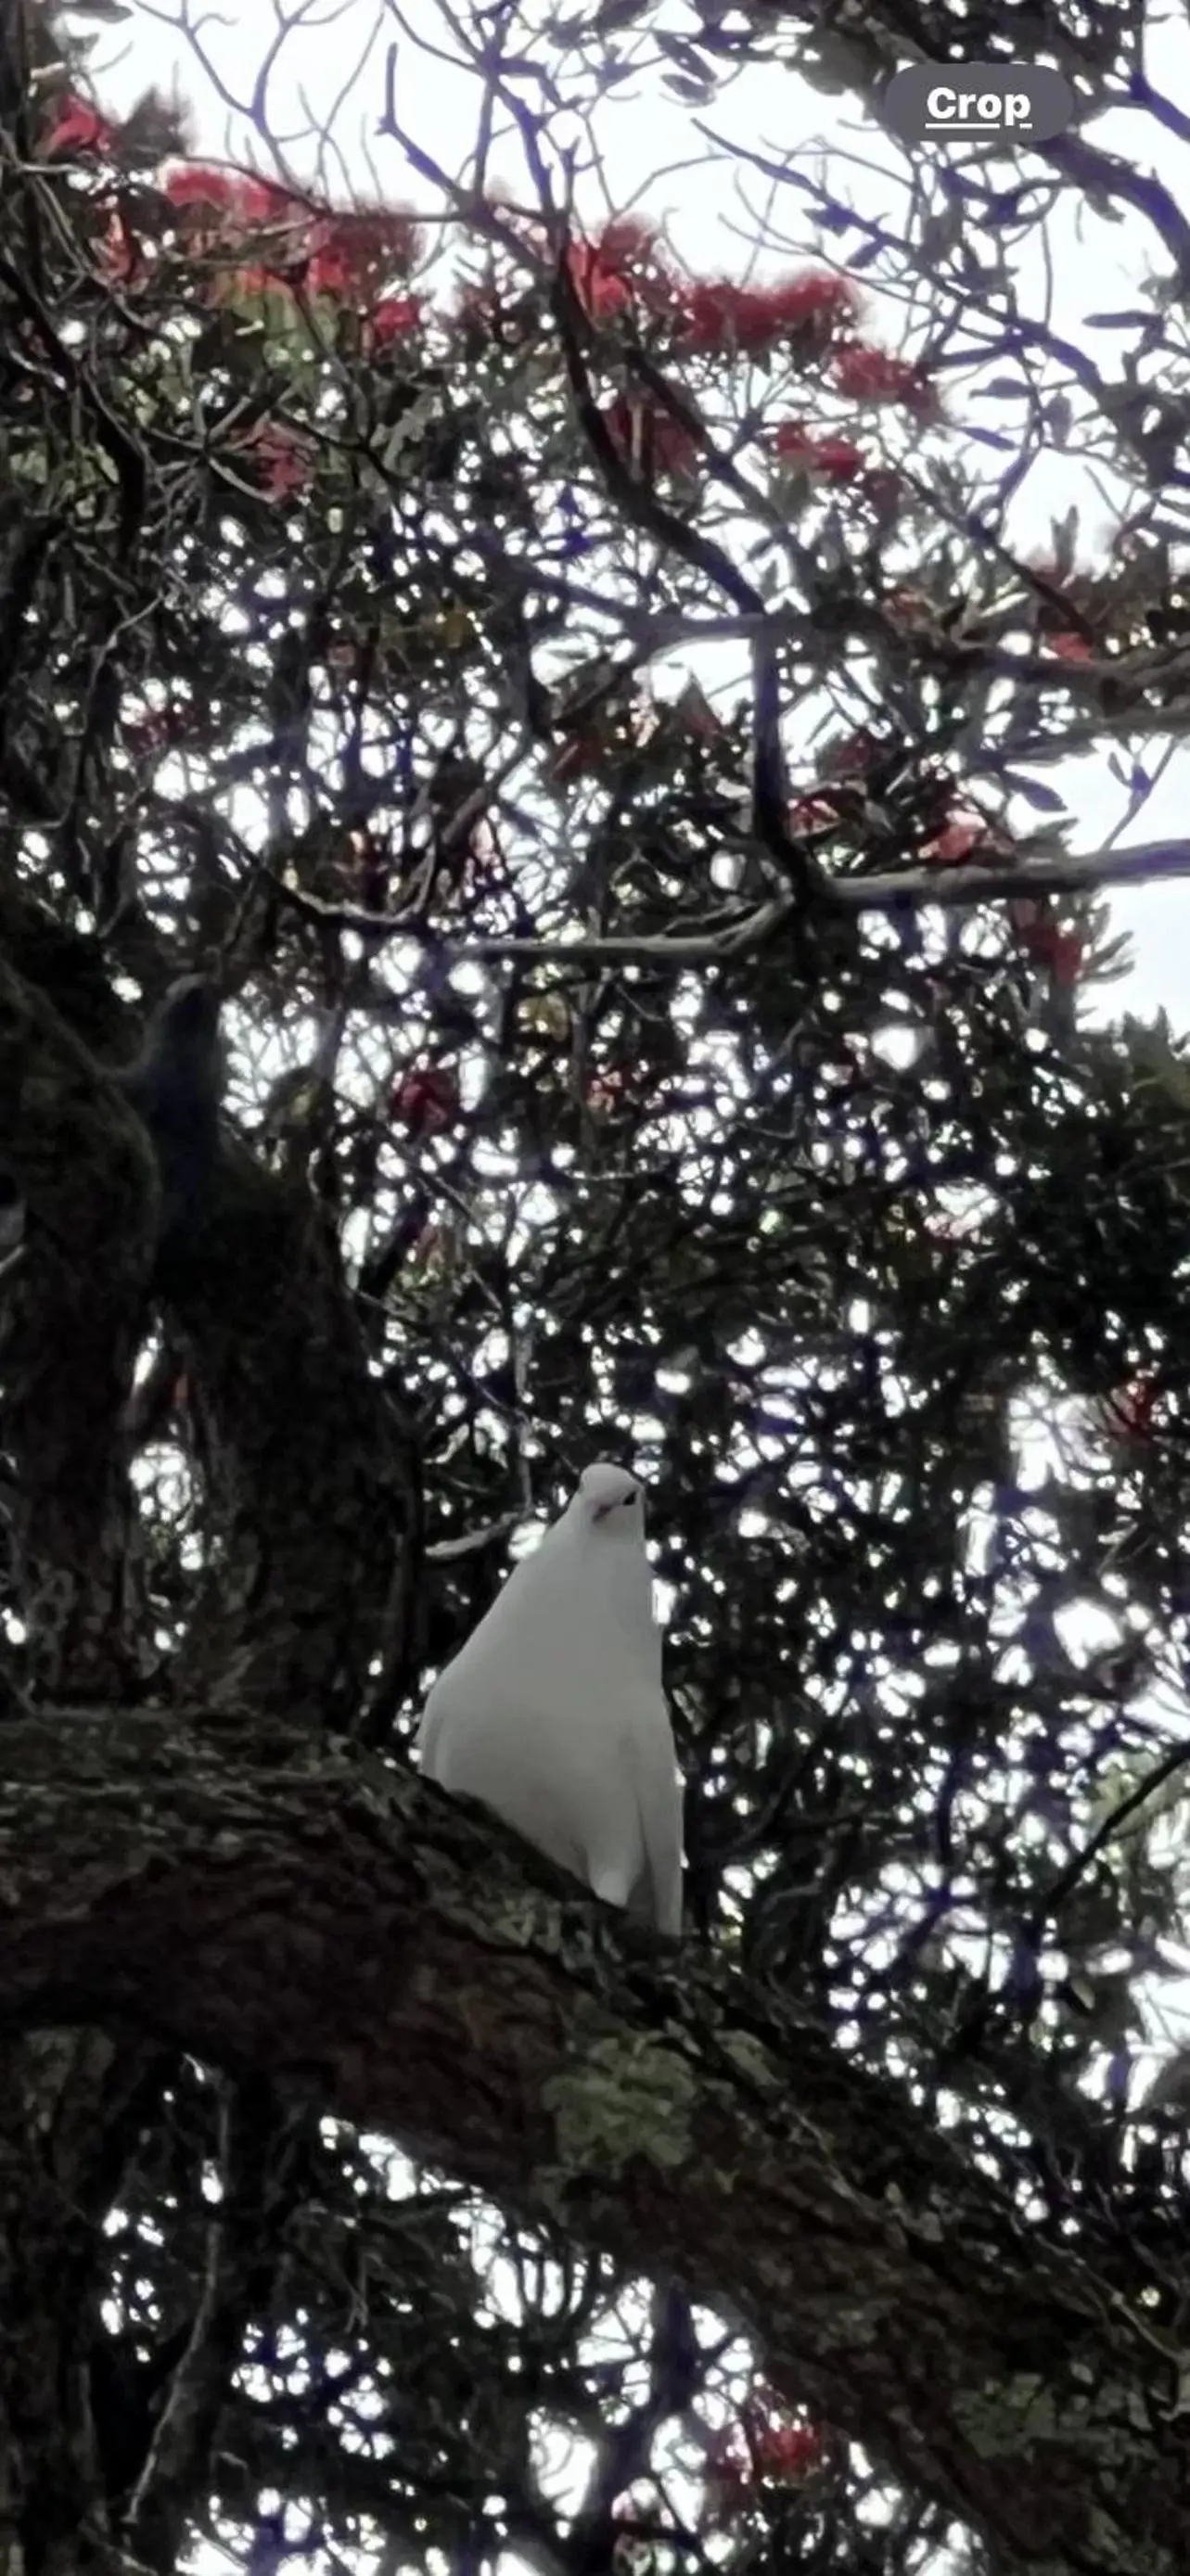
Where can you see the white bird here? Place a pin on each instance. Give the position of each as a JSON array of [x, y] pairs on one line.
[[554, 1715]]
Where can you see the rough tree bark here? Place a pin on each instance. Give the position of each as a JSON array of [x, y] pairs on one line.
[[313, 1918]]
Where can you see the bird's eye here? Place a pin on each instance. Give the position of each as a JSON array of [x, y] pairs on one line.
[[627, 1501]]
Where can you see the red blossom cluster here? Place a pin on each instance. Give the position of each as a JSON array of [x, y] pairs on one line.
[[78, 127], [235, 193], [908, 608], [1126, 1416], [426, 1100], [787, 2451], [648, 437], [359, 247], [965, 834], [829, 460], [282, 461], [624, 265], [871, 375], [148, 733], [1042, 938], [266, 235], [813, 306], [760, 2451], [814, 813], [255, 235], [259, 235], [392, 318], [348, 252], [854, 755]]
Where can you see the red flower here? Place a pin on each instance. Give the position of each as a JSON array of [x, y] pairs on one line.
[[148, 732], [721, 315], [328, 273], [621, 265], [191, 186], [117, 251], [648, 437], [786, 2451], [358, 247], [811, 813], [286, 463], [348, 252], [1041, 937], [756, 2451], [835, 459], [392, 317], [882, 487], [427, 1100], [871, 375], [605, 1089], [625, 240], [854, 755], [598, 289], [233, 192], [1066, 957], [956, 841], [260, 201], [1127, 1414], [79, 128], [816, 300], [1071, 648], [219, 208], [908, 607], [708, 318]]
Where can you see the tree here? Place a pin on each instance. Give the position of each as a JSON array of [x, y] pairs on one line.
[[697, 1073]]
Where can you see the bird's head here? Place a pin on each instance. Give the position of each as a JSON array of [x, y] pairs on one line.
[[611, 1502]]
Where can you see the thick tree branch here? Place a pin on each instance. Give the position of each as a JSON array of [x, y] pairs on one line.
[[76, 1301], [366, 1945], [281, 1373], [306, 1469], [746, 930]]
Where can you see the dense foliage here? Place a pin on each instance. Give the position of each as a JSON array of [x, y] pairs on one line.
[[556, 698]]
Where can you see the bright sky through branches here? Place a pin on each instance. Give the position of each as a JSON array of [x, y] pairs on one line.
[[643, 149]]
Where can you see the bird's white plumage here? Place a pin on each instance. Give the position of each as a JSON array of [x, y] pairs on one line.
[[554, 1713]]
